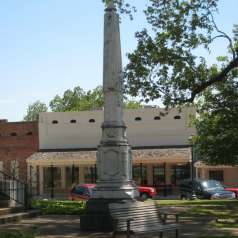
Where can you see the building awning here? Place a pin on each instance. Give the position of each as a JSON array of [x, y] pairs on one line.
[[148, 156], [200, 164], [62, 158]]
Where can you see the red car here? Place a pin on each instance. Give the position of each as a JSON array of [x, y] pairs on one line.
[[234, 190], [84, 192]]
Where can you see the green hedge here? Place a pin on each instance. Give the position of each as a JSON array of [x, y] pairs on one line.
[[59, 207]]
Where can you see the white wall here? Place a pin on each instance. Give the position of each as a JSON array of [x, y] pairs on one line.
[[82, 134]]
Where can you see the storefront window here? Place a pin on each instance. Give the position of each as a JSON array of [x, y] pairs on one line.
[[158, 175], [52, 177], [1, 165], [90, 174], [199, 173], [140, 174], [71, 175], [179, 172], [216, 175], [15, 168]]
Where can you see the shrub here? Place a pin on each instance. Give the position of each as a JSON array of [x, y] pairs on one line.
[[59, 207]]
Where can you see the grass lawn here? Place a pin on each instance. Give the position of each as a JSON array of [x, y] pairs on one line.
[[225, 210], [223, 213]]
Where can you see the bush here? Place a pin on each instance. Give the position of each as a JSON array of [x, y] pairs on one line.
[[59, 207]]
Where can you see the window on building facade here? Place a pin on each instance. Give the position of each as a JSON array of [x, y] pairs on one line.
[[29, 133], [1, 166], [177, 117], [90, 174], [179, 172], [33, 178], [162, 114], [91, 121], [199, 173], [139, 174], [13, 134], [216, 175], [55, 122], [138, 119], [73, 121], [52, 178], [157, 118], [158, 175], [15, 168], [71, 175]]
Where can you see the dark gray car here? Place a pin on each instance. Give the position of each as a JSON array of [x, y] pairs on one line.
[[204, 189]]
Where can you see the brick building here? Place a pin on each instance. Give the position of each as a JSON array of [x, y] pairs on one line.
[[18, 140]]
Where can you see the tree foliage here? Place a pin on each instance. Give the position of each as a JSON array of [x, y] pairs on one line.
[[123, 6], [217, 125], [132, 104], [165, 63], [78, 100], [74, 100], [34, 109]]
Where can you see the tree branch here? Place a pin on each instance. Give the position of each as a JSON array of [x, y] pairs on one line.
[[218, 78], [224, 35], [219, 36]]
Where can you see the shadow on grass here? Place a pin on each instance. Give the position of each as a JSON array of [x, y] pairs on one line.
[[18, 234], [206, 218]]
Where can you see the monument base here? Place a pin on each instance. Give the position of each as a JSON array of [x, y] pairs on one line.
[[97, 216]]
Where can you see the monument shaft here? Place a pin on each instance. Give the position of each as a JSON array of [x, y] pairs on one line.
[[114, 162]]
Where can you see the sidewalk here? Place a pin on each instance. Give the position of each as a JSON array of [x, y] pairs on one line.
[[68, 226]]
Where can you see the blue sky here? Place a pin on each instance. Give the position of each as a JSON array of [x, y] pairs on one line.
[[49, 46]]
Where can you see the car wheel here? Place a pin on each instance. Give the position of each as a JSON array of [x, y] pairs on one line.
[[144, 196]]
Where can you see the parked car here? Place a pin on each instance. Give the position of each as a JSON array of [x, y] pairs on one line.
[[204, 189], [84, 192], [234, 190]]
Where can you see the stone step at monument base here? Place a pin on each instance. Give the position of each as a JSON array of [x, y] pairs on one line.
[[9, 210], [97, 217], [16, 216]]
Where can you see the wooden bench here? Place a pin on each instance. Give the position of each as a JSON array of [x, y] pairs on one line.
[[141, 219]]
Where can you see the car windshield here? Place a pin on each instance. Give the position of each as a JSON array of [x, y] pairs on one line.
[[212, 185]]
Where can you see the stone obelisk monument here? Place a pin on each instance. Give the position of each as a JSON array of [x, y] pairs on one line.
[[114, 161]]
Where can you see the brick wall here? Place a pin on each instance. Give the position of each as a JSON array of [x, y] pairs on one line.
[[18, 140]]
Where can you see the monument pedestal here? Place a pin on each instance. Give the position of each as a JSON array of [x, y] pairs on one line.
[[97, 216]]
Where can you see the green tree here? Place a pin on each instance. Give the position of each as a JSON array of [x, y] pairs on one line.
[[78, 100], [131, 104], [34, 109], [217, 125], [165, 63]]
